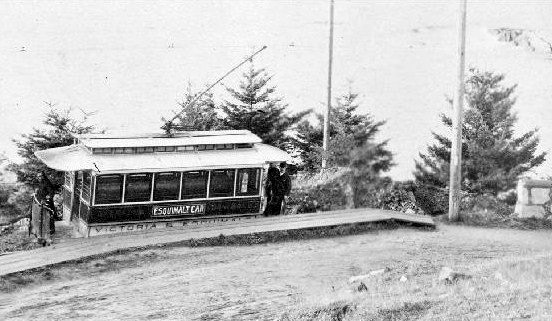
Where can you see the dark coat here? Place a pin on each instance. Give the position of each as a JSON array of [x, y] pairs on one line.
[[274, 192], [285, 181], [272, 182]]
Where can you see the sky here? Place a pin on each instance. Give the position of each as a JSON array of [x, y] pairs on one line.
[[130, 62]]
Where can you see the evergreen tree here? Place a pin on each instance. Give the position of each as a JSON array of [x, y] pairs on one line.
[[254, 107], [14, 197], [59, 127], [199, 115], [352, 139], [492, 157], [5, 188]]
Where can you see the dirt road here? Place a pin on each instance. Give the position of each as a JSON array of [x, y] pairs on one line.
[[256, 282]]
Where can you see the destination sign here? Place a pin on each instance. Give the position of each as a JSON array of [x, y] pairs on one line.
[[176, 210]]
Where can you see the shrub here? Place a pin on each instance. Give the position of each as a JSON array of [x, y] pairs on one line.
[[8, 212], [431, 199], [379, 193], [14, 202], [509, 197], [485, 204], [327, 192], [396, 198], [324, 197]]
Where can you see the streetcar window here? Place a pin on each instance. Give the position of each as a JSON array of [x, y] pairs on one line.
[[166, 186], [222, 183], [194, 184], [78, 183], [123, 150], [248, 181], [68, 182], [142, 150], [245, 145], [86, 185], [109, 189], [205, 147], [185, 148], [165, 149], [102, 150], [138, 187], [224, 146], [66, 198]]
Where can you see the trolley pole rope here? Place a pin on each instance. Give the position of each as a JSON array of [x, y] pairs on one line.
[[167, 124]]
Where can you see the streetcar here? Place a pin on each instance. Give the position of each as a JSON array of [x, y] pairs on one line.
[[131, 182]]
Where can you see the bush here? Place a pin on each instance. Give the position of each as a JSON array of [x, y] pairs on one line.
[[379, 193], [325, 197], [393, 197], [434, 201], [14, 202], [485, 205], [509, 197], [431, 200], [314, 196], [8, 212]]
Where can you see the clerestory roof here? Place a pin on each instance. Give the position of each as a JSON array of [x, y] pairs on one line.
[[80, 157]]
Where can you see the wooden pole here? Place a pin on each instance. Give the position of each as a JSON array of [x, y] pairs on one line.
[[326, 142], [456, 150]]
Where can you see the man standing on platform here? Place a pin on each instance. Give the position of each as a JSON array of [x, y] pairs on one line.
[[286, 185]]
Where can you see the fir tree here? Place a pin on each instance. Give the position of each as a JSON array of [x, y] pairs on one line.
[[255, 107], [492, 157], [352, 139], [59, 129], [199, 115]]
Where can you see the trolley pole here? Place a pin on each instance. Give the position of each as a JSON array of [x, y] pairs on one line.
[[326, 141], [168, 124], [456, 150]]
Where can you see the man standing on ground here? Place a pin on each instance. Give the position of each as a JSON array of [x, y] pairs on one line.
[[286, 185]]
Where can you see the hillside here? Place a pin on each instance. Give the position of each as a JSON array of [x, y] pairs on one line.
[[508, 269]]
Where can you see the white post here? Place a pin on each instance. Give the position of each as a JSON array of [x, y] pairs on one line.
[[456, 150], [326, 141]]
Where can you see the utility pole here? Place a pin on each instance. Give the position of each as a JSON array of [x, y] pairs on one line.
[[456, 150], [326, 142]]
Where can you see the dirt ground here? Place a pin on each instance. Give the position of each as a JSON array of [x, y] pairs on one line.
[[260, 282]]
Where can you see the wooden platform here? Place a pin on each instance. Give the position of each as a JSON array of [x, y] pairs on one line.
[[72, 249]]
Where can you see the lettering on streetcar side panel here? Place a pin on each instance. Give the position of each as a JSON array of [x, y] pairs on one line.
[[133, 227], [118, 228], [176, 210]]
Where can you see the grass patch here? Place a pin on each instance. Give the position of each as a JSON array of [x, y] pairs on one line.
[[407, 311], [512, 288], [356, 310], [493, 220], [335, 311], [12, 239]]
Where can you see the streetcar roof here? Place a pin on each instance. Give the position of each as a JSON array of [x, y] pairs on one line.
[[78, 157], [188, 138]]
